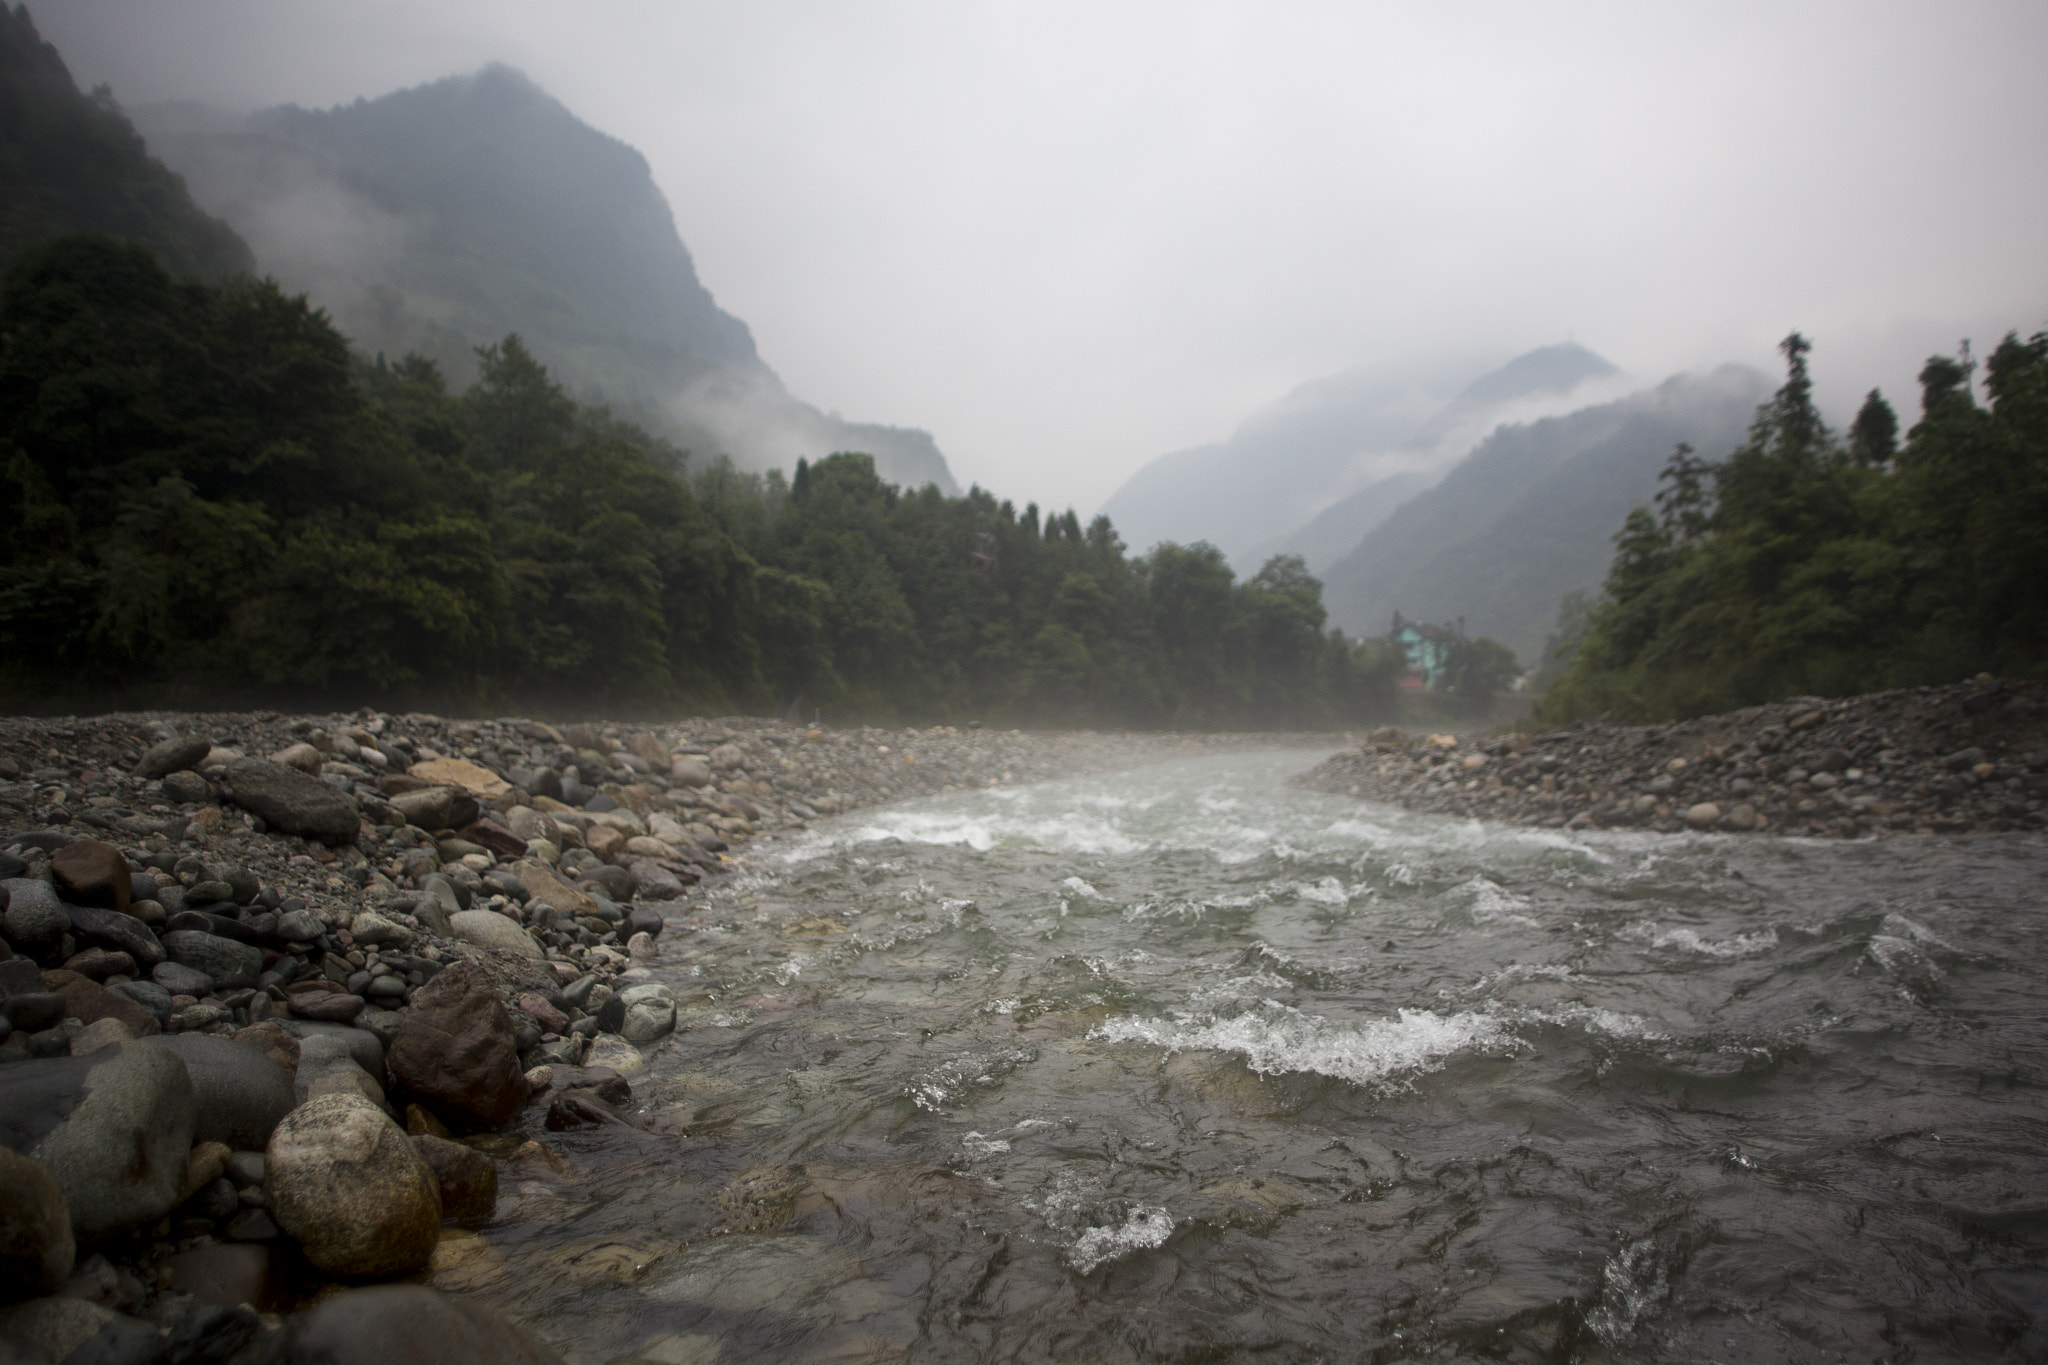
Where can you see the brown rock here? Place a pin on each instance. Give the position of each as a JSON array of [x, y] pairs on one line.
[[36, 1246], [271, 1039], [427, 807], [92, 873], [331, 1009], [605, 841], [544, 1013], [226, 1274], [100, 963], [342, 1180], [650, 750], [468, 1178], [456, 1050], [473, 778], [419, 1121], [391, 784], [543, 885], [304, 757], [495, 837], [98, 1034], [204, 1166], [89, 1002]]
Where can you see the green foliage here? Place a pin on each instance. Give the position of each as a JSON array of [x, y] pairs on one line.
[[205, 495], [73, 163], [1803, 565]]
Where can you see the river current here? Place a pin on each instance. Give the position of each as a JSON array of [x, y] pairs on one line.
[[1185, 1064]]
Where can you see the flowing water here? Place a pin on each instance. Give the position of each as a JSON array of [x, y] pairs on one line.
[[1184, 1064]]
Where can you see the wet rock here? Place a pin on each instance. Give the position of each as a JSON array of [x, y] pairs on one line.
[[468, 1179], [112, 1129], [271, 1040], [93, 873], [410, 1325], [544, 1012], [346, 1183], [242, 1094], [175, 754], [97, 964], [117, 931], [179, 979], [231, 964], [89, 1002], [457, 1051], [36, 1246], [289, 800]]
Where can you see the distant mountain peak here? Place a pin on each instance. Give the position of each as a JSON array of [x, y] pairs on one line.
[[1546, 370]]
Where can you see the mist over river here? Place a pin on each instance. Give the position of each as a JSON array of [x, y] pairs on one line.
[[1187, 1064]]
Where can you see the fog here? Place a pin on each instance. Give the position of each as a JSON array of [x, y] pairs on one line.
[[1067, 238]]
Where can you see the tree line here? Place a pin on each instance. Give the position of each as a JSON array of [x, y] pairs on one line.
[[1811, 561], [208, 499]]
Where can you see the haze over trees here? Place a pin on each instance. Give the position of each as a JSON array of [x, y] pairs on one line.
[[207, 495], [1808, 561]]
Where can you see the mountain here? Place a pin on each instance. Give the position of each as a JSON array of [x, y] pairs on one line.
[[447, 215], [1530, 513], [1375, 434], [73, 163]]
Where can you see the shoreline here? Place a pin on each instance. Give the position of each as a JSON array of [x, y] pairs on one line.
[[1968, 758]]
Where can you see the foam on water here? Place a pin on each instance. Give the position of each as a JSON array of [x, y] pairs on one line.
[[1144, 1229], [1280, 1039]]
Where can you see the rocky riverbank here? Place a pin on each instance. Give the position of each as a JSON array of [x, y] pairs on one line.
[[279, 995], [1970, 758]]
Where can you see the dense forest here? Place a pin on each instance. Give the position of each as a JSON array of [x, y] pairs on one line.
[[208, 497], [1812, 562]]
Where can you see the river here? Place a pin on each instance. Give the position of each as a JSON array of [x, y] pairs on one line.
[[1185, 1064]]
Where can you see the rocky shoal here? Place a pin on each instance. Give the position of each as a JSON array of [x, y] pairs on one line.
[[1968, 758], [279, 995]]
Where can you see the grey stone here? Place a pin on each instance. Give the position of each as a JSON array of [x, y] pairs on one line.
[[232, 965], [246, 1168], [118, 930], [651, 881], [242, 1094], [34, 914], [650, 1013], [187, 788], [319, 1039], [292, 801], [112, 1129], [31, 1011], [179, 979], [381, 1023], [406, 1324], [53, 1327], [18, 975], [299, 926], [489, 929], [151, 995], [172, 755]]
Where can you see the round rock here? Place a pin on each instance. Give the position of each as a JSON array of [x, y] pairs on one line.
[[242, 1094], [343, 1180], [232, 965], [409, 1324], [456, 1048]]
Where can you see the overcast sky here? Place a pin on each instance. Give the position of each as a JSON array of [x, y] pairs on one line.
[[1067, 237]]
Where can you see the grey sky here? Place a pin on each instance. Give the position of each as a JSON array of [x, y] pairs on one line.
[[1067, 237]]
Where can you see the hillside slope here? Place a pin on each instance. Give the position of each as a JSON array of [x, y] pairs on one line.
[[1529, 515], [71, 162], [447, 215]]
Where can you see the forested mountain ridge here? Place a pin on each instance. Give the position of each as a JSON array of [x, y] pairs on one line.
[[432, 219], [1524, 518], [72, 162], [208, 495], [1810, 561]]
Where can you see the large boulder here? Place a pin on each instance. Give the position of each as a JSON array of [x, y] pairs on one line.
[[489, 929], [409, 1324], [292, 801], [344, 1181], [172, 755], [113, 1129], [36, 1246], [94, 873], [242, 1094], [232, 965], [456, 1048]]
